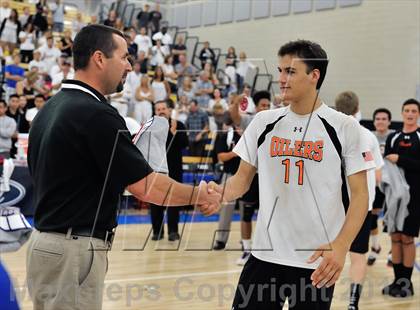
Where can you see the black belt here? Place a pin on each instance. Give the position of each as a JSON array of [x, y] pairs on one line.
[[105, 235]]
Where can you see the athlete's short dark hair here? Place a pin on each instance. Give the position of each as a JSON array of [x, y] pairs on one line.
[[310, 53], [3, 102], [411, 101], [347, 102], [13, 96], [93, 38], [40, 96], [382, 110], [262, 94]]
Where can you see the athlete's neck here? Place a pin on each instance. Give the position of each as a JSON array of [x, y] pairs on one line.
[[90, 79], [407, 128], [382, 132], [306, 106]]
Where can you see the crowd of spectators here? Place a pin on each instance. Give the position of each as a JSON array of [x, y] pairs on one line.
[[37, 52]]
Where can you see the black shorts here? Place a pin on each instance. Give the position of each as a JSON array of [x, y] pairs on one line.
[[411, 223], [252, 195], [379, 201], [361, 242], [373, 221], [265, 286], [248, 210]]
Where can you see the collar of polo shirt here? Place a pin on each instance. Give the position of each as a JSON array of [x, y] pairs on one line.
[[79, 85]]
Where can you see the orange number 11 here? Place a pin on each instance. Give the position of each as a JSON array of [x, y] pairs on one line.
[[299, 164]]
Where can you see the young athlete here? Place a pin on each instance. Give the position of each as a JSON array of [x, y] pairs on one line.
[[306, 155], [348, 103], [403, 148]]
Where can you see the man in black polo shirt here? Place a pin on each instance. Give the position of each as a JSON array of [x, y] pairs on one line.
[[81, 159]]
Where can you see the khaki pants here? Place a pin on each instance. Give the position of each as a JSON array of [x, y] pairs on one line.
[[66, 272]]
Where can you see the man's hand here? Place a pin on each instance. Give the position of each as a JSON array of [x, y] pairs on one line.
[[333, 259], [208, 200], [393, 158]]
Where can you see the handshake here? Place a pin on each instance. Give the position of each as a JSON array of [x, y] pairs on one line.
[[209, 198]]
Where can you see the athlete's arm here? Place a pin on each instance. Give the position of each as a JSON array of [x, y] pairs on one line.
[[334, 254], [238, 184]]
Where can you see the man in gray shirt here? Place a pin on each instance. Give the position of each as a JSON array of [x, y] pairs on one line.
[[7, 130]]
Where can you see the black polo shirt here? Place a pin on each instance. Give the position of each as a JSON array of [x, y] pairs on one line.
[[81, 158]]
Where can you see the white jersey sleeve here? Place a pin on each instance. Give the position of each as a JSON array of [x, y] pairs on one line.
[[247, 146], [356, 154]]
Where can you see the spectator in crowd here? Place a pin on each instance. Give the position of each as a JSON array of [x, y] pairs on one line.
[[133, 77], [7, 131], [197, 124], [208, 67], [207, 55], [38, 63], [403, 149], [121, 100], [58, 66], [250, 109], [155, 18], [187, 89], [143, 18], [160, 86], [29, 87], [144, 62], [13, 74], [112, 17], [229, 79], [179, 49], [40, 21], [381, 122], [203, 90], [27, 43], [170, 74], [93, 19], [119, 24], [176, 142], [242, 68], [143, 101], [4, 10], [9, 31], [183, 69], [50, 53], [58, 10], [77, 24], [217, 118], [182, 109], [66, 43], [65, 74], [16, 110], [39, 104], [25, 17], [143, 42], [262, 98], [163, 36], [231, 57], [217, 100], [159, 52], [132, 45], [42, 41]]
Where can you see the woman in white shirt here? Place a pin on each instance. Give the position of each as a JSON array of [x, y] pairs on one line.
[[187, 89], [217, 101], [242, 68], [27, 43], [170, 74], [9, 31], [143, 101], [160, 87]]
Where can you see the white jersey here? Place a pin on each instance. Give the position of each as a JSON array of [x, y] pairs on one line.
[[373, 150], [302, 179]]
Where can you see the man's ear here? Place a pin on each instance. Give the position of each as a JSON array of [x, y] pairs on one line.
[[98, 58], [315, 75]]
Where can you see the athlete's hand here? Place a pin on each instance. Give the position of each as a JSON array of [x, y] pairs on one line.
[[333, 259], [209, 200], [393, 158], [213, 187]]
